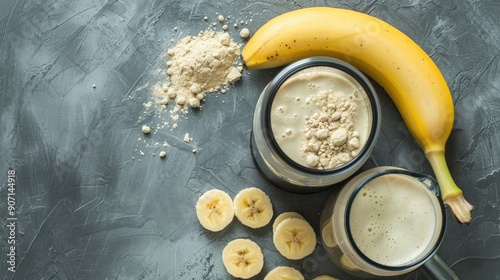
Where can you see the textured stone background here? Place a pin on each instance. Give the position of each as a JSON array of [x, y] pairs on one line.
[[90, 206]]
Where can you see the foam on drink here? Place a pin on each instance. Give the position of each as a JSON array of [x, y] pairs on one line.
[[393, 220]]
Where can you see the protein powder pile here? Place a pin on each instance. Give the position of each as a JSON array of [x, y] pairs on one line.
[[330, 137], [195, 66], [199, 65]]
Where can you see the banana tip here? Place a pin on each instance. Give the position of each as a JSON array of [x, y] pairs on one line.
[[460, 208]]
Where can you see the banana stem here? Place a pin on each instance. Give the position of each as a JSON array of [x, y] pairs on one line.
[[452, 195]]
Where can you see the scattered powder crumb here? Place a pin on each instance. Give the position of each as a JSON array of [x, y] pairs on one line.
[[94, 86], [233, 76], [187, 139], [220, 18], [146, 129], [194, 102], [148, 104], [225, 27], [331, 139], [163, 154], [205, 18], [245, 33]]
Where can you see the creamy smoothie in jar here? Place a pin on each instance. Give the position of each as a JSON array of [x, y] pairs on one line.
[[385, 221], [315, 124], [321, 117]]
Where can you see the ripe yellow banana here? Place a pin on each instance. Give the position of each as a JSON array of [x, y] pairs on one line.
[[384, 53]]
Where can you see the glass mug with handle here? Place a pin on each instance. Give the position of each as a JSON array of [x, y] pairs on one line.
[[386, 221]]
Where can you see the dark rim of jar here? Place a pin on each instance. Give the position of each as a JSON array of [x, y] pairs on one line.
[[292, 69], [348, 219]]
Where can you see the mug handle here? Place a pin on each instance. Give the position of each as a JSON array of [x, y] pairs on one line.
[[436, 269]]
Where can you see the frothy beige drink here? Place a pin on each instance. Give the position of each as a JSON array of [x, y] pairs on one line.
[[321, 117], [393, 220], [385, 221]]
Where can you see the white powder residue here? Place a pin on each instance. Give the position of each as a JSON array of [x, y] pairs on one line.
[[331, 139]]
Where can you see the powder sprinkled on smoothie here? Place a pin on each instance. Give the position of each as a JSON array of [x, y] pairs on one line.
[[331, 139], [320, 119]]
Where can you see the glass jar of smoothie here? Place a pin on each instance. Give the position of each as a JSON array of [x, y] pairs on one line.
[[314, 125], [385, 221]]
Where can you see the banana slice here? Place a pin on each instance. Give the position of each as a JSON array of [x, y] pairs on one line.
[[346, 263], [327, 234], [294, 238], [284, 216], [214, 210], [253, 207], [243, 258], [325, 277], [284, 273]]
